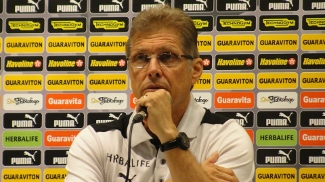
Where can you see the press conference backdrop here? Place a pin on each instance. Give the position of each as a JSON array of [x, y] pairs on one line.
[[63, 68]]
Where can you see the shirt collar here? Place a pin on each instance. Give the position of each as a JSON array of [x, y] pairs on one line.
[[189, 123]]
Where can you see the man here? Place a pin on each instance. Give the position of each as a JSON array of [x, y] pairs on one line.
[[163, 64]]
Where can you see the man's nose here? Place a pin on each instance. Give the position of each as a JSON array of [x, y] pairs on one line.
[[154, 68]]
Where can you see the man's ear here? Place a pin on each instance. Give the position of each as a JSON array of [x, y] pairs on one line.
[[197, 68]]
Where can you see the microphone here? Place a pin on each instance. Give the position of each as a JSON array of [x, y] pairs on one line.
[[141, 115]]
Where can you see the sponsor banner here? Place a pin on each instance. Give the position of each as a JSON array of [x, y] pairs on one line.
[[65, 101], [109, 24], [279, 5], [107, 63], [276, 137], [311, 174], [250, 134], [311, 137], [133, 101], [207, 61], [279, 22], [312, 119], [21, 157], [25, 174], [103, 6], [313, 42], [313, 61], [107, 44], [236, 5], [277, 119], [23, 63], [232, 43], [103, 117], [312, 100], [140, 5], [0, 46], [312, 80], [66, 44], [313, 22], [194, 5], [234, 81], [67, 25], [22, 101], [277, 61], [312, 156], [31, 82], [25, 7], [277, 80], [203, 23], [25, 25], [235, 62], [22, 138], [55, 174], [114, 101], [56, 138], [243, 118], [276, 42], [204, 83], [24, 44], [234, 100], [65, 82], [67, 6], [204, 43], [22, 120], [107, 82], [64, 120], [56, 157], [277, 100], [65, 63], [236, 23], [278, 174], [203, 98], [313, 5], [279, 157]]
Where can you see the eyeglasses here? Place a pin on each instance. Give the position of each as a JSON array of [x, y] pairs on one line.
[[166, 59]]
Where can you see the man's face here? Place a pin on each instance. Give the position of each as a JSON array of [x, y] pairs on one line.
[[177, 80]]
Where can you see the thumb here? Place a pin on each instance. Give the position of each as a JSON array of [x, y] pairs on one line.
[[212, 159]]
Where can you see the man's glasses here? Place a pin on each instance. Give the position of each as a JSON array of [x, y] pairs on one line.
[[166, 59]]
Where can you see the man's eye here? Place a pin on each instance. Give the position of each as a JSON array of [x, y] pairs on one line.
[[141, 57], [165, 57]]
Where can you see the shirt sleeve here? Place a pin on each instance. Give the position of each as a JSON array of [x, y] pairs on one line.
[[84, 163]]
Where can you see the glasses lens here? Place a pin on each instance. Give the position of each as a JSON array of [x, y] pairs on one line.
[[167, 59]]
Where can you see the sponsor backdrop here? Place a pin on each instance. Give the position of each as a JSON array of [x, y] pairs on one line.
[[63, 68]]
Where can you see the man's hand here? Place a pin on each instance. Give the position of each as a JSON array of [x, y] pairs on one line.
[[217, 173]]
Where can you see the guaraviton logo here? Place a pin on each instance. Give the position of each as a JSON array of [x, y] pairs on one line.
[[277, 80], [275, 42], [107, 44], [204, 83], [24, 44], [234, 81], [312, 80], [312, 42], [230, 43], [68, 82], [107, 82], [276, 174]]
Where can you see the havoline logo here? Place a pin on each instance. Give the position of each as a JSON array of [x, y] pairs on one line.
[[194, 5], [64, 120], [312, 156], [279, 156], [312, 119], [314, 5], [107, 63], [66, 25], [313, 61], [245, 119], [21, 157], [109, 6], [67, 6], [65, 63], [207, 61], [279, 5], [24, 63], [109, 24], [25, 25], [277, 61], [235, 62], [25, 6], [279, 22], [56, 157], [22, 120], [236, 5], [277, 119], [141, 5], [95, 118], [203, 23], [313, 22], [236, 23]]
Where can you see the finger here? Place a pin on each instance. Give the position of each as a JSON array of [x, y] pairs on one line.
[[212, 159]]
